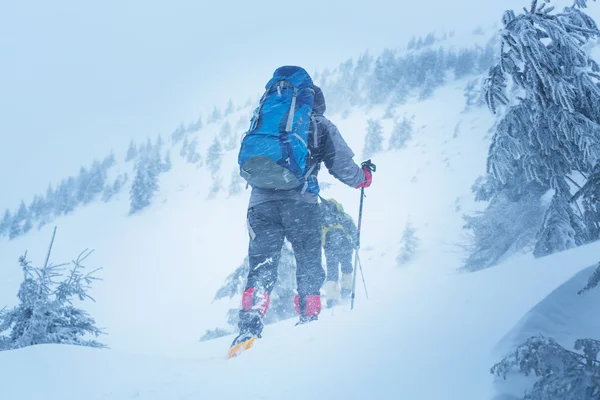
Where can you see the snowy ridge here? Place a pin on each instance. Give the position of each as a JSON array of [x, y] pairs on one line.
[[422, 324]]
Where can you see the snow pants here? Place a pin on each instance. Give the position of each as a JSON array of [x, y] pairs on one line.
[[338, 258], [268, 224], [338, 253]]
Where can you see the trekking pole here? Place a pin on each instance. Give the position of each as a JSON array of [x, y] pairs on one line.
[[371, 167], [362, 275]]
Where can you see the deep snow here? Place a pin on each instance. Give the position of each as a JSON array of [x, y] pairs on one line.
[[428, 331]]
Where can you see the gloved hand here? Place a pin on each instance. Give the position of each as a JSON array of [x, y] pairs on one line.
[[368, 178]]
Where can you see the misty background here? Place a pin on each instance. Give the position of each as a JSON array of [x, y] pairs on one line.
[[77, 79]]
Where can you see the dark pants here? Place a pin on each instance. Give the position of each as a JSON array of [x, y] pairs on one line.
[[268, 224], [338, 254]]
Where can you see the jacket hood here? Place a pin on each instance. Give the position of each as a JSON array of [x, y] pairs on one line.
[[319, 106]]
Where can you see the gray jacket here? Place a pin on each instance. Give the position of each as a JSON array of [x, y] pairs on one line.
[[328, 147]]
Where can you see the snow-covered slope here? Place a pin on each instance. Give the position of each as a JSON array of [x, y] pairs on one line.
[[427, 331]]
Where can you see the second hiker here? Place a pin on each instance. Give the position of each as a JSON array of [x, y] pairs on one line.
[[339, 241]]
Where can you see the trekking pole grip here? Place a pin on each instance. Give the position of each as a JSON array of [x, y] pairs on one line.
[[369, 165]]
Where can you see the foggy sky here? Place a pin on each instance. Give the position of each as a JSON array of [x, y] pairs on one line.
[[79, 78]]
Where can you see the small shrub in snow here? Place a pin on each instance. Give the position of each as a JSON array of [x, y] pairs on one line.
[[409, 244], [45, 313], [562, 374]]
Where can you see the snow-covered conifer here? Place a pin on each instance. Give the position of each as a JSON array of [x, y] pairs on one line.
[[373, 138]]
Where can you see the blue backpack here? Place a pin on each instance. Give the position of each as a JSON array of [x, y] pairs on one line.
[[274, 152]]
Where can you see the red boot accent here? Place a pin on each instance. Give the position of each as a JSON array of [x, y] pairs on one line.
[[259, 301], [297, 304], [313, 305]]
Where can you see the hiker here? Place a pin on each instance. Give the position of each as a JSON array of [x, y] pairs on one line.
[[280, 158], [339, 241]]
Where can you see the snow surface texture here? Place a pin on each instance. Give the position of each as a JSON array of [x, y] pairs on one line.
[[427, 332]]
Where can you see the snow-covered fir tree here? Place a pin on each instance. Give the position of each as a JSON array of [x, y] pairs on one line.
[[473, 94], [228, 137], [132, 151], [401, 133], [551, 135], [408, 245], [561, 374], [560, 230], [16, 225], [5, 223], [215, 187], [214, 156], [166, 165], [184, 148], [178, 134], [373, 138], [215, 116], [196, 125], [145, 183], [191, 154], [508, 225], [229, 108], [45, 313], [236, 184], [465, 63], [593, 281]]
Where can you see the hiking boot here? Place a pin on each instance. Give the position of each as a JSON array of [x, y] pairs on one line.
[[306, 320], [250, 323], [346, 286], [332, 293]]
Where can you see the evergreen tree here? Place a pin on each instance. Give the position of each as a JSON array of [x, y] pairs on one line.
[[184, 148], [16, 226], [373, 138], [5, 223], [561, 229], [508, 225], [384, 77], [229, 109], [553, 131], [215, 188], [465, 63], [66, 198], [409, 244], [45, 313], [91, 183], [196, 125], [109, 161], [229, 138], [176, 136], [237, 183], [132, 151], [473, 94], [193, 157], [167, 165], [214, 156], [401, 133], [215, 115], [561, 374], [145, 184]]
